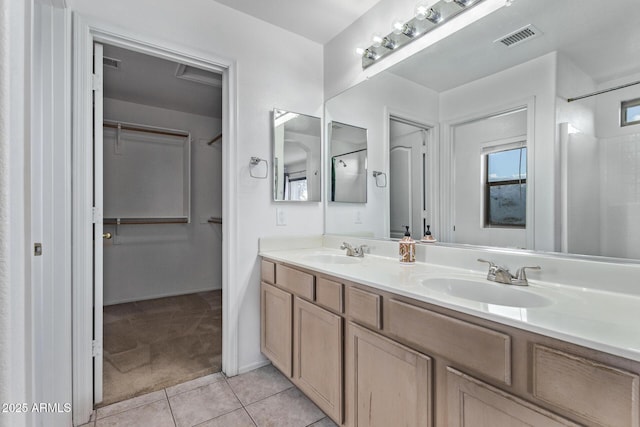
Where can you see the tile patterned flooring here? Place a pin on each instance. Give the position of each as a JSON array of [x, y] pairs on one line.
[[154, 344], [260, 398]]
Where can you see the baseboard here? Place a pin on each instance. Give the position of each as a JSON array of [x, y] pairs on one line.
[[162, 295], [252, 366]]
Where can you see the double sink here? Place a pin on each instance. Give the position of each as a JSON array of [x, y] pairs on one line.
[[473, 289]]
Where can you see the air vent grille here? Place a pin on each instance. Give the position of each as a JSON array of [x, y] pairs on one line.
[[111, 62], [519, 36]]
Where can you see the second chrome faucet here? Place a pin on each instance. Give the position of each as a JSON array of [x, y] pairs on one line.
[[503, 275], [351, 251]]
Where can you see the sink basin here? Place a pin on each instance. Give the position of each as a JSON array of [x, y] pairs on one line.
[[332, 259], [485, 291]]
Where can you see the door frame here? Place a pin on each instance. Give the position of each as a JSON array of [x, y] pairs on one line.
[[85, 33]]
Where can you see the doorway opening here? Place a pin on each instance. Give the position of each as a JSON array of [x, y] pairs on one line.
[[161, 163], [408, 162]]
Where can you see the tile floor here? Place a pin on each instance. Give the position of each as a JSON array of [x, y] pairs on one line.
[[260, 398], [154, 344]]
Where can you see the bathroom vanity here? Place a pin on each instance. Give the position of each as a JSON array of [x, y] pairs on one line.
[[373, 344]]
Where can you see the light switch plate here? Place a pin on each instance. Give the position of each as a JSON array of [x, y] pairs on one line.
[[281, 217], [358, 218]]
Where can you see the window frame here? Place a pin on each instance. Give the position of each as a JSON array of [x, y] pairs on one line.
[[626, 105], [488, 184]]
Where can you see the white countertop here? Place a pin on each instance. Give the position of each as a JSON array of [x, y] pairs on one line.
[[601, 320]]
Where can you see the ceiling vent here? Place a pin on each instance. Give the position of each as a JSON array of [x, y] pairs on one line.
[[519, 36], [111, 62]]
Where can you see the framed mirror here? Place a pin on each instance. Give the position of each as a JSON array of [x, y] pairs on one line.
[[297, 157], [348, 163], [533, 133]]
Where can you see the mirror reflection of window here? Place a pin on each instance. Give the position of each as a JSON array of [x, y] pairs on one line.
[[506, 188]]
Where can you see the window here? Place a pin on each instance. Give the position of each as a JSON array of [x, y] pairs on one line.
[[506, 188], [630, 112]]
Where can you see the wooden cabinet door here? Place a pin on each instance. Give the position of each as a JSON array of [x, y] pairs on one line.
[[275, 326], [472, 403], [317, 360], [388, 384]]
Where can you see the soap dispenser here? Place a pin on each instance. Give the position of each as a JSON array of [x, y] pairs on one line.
[[428, 237], [407, 248]]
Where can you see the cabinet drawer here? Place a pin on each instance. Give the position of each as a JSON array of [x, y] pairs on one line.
[[296, 281], [589, 389], [483, 350], [268, 272], [365, 307], [329, 294]]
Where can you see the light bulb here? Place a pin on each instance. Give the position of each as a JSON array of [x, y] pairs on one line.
[[359, 51], [422, 10], [398, 26], [376, 40]]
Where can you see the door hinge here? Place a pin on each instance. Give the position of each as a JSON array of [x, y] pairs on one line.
[[96, 348], [96, 82]]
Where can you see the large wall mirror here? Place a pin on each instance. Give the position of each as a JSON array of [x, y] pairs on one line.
[[478, 139], [296, 157], [348, 163]]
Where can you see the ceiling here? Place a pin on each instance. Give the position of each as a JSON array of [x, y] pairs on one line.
[[317, 20], [602, 38], [148, 80]]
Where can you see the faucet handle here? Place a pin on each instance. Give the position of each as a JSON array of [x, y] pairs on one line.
[[492, 265], [521, 274]]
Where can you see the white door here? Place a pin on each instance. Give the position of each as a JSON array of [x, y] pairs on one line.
[[97, 226], [407, 162]]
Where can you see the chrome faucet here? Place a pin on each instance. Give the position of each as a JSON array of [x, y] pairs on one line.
[[503, 275], [351, 251]]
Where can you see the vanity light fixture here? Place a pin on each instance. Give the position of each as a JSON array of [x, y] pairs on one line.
[[429, 14], [366, 53], [424, 11], [464, 3]]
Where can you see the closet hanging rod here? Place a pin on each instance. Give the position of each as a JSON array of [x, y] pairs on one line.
[[603, 91], [114, 125], [141, 221], [217, 138]]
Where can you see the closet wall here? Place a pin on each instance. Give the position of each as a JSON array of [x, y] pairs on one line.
[[151, 261]]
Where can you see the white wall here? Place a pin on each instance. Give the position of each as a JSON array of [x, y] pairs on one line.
[[151, 261], [579, 183], [516, 85], [274, 68], [469, 141], [620, 172], [365, 106], [16, 369]]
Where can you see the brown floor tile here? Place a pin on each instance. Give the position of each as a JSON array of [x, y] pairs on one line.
[[156, 414], [258, 384], [237, 418], [287, 409], [203, 404]]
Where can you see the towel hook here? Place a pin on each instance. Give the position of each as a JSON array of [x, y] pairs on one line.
[[256, 161]]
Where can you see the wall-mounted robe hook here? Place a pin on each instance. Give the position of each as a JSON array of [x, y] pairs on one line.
[[255, 161], [376, 175]]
